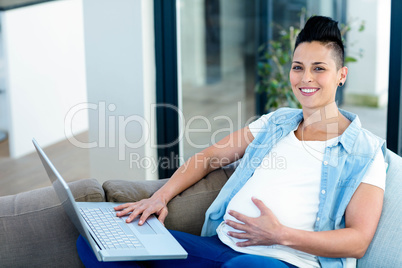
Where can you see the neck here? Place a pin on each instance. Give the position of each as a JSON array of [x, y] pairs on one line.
[[326, 121], [322, 116]]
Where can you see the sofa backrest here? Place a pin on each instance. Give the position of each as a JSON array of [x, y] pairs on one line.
[[386, 248]]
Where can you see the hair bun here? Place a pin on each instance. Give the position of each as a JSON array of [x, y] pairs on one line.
[[325, 30]]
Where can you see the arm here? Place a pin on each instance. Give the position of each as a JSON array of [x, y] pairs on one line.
[[361, 220], [224, 152]]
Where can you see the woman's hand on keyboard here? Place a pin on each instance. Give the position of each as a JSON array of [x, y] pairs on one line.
[[145, 208]]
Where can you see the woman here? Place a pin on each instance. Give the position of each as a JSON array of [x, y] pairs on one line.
[[320, 208]]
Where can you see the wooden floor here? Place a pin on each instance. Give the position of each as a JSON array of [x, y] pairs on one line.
[[27, 173]]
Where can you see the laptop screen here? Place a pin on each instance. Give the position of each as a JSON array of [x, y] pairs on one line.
[[62, 190]]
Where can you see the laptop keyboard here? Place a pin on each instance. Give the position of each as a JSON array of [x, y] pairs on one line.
[[105, 225]]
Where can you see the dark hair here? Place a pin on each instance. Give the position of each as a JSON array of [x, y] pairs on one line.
[[324, 30]]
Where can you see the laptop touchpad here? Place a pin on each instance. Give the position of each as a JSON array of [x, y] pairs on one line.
[[143, 229]]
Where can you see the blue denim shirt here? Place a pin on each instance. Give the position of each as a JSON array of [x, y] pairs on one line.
[[343, 168]]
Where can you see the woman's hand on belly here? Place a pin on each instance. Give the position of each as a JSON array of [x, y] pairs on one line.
[[263, 230]]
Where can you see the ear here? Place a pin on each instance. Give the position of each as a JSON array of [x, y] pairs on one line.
[[343, 73]]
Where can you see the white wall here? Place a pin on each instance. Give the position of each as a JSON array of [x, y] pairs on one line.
[[119, 45], [369, 76], [3, 96], [383, 45], [44, 56]]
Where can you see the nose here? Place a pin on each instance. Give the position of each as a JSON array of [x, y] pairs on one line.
[[307, 77]]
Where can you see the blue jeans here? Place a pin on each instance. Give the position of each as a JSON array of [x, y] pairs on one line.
[[202, 252]]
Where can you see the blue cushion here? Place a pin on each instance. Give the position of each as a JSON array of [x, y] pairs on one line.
[[386, 248]]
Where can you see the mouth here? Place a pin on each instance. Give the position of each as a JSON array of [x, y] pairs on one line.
[[308, 91]]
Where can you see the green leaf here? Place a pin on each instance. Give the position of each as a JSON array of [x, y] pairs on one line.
[[362, 26], [350, 59]]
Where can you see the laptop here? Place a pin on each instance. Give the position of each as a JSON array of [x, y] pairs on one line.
[[110, 237]]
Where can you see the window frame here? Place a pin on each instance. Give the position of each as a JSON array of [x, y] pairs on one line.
[[394, 117]]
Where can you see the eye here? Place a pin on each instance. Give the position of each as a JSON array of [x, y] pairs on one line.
[[297, 68], [319, 69]]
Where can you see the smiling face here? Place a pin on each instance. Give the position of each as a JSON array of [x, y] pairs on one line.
[[314, 75]]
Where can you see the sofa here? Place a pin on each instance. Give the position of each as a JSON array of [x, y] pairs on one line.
[[35, 231]]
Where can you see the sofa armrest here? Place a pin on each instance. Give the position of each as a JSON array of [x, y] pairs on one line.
[[386, 247], [186, 210], [36, 232]]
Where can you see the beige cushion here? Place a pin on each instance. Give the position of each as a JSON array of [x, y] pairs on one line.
[[186, 211], [36, 232]]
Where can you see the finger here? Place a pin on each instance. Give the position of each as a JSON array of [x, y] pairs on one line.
[[244, 244], [162, 215], [145, 214], [239, 235], [236, 225], [135, 210], [133, 215], [260, 205], [125, 211], [238, 216], [122, 206]]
